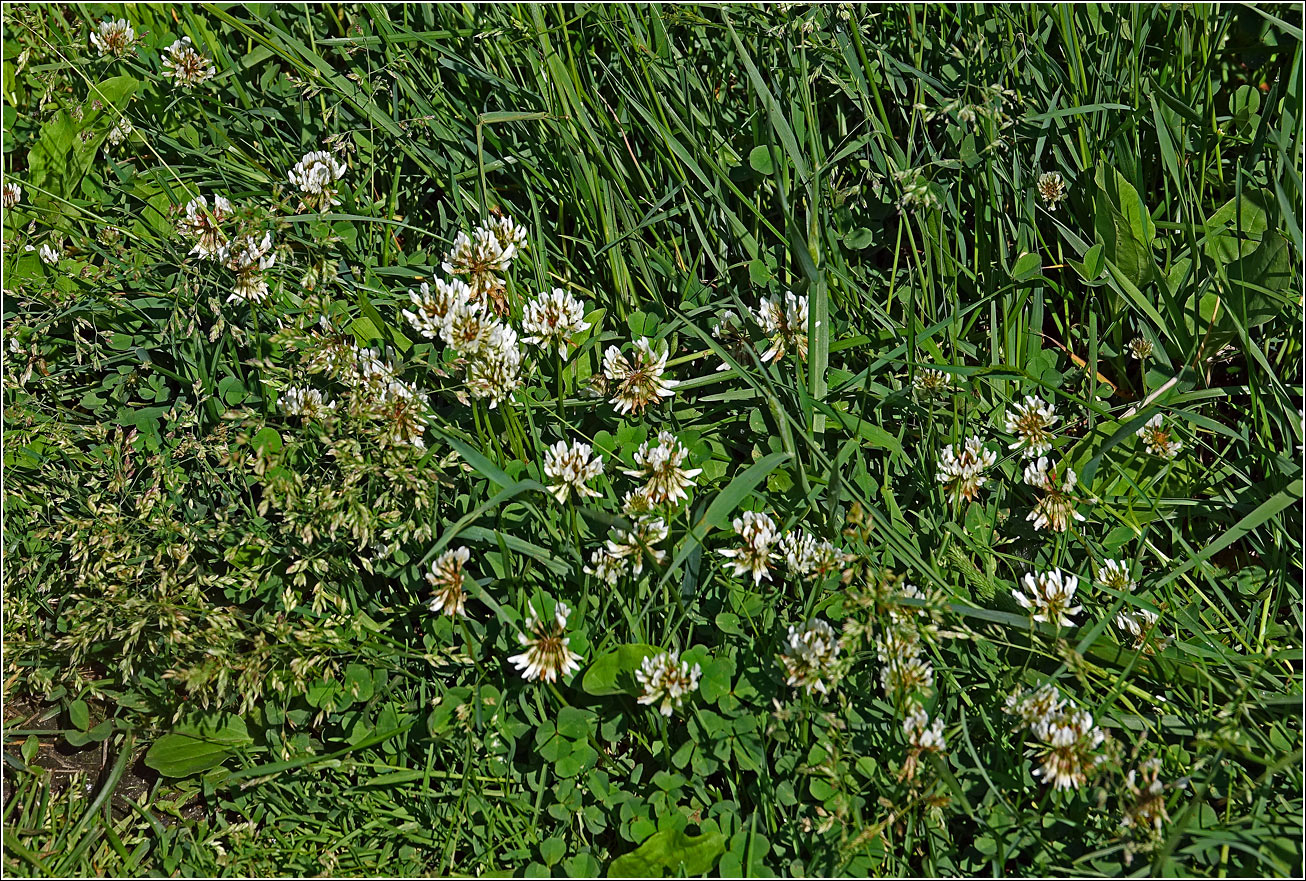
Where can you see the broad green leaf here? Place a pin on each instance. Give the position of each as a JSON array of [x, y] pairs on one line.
[[1123, 226], [1027, 266], [190, 749], [669, 851], [60, 157], [79, 714], [614, 672]]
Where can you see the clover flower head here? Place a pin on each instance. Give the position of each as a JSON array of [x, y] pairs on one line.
[[186, 67], [446, 579], [1030, 420], [547, 654], [1048, 595], [552, 319], [810, 656], [637, 381], [570, 467], [667, 680]]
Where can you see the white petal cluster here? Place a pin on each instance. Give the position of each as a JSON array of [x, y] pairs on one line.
[[644, 536], [961, 469], [207, 226], [921, 733], [551, 320], [930, 383], [446, 579], [1048, 595], [114, 38], [569, 467], [758, 533], [186, 67], [315, 176], [660, 465], [12, 193], [308, 403], [667, 680], [50, 255], [433, 306], [1030, 420], [248, 256], [1067, 739], [547, 655], [120, 132], [1115, 574], [482, 257], [809, 557], [784, 320], [637, 381], [1157, 440], [810, 656], [1051, 188], [1055, 509], [1140, 626]]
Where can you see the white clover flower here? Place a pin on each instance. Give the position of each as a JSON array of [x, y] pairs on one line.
[[1044, 704], [467, 328], [446, 579], [636, 502], [120, 132], [784, 320], [552, 319], [315, 176], [905, 675], [570, 468], [1138, 624], [758, 532], [306, 402], [114, 38], [1049, 596], [962, 473], [645, 534], [606, 567], [547, 655], [1115, 575], [402, 409], [930, 383], [1056, 509], [50, 255], [1140, 348], [1157, 439], [12, 193], [728, 330], [481, 258], [660, 465], [1146, 806], [185, 66], [494, 372], [807, 557], [511, 235], [668, 680], [1052, 188], [639, 381], [922, 734], [1067, 742], [1029, 421], [206, 226], [810, 656], [433, 308], [248, 256]]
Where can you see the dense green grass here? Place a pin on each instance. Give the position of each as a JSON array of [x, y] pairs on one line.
[[218, 652]]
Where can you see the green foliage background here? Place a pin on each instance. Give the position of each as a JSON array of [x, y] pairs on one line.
[[190, 571]]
